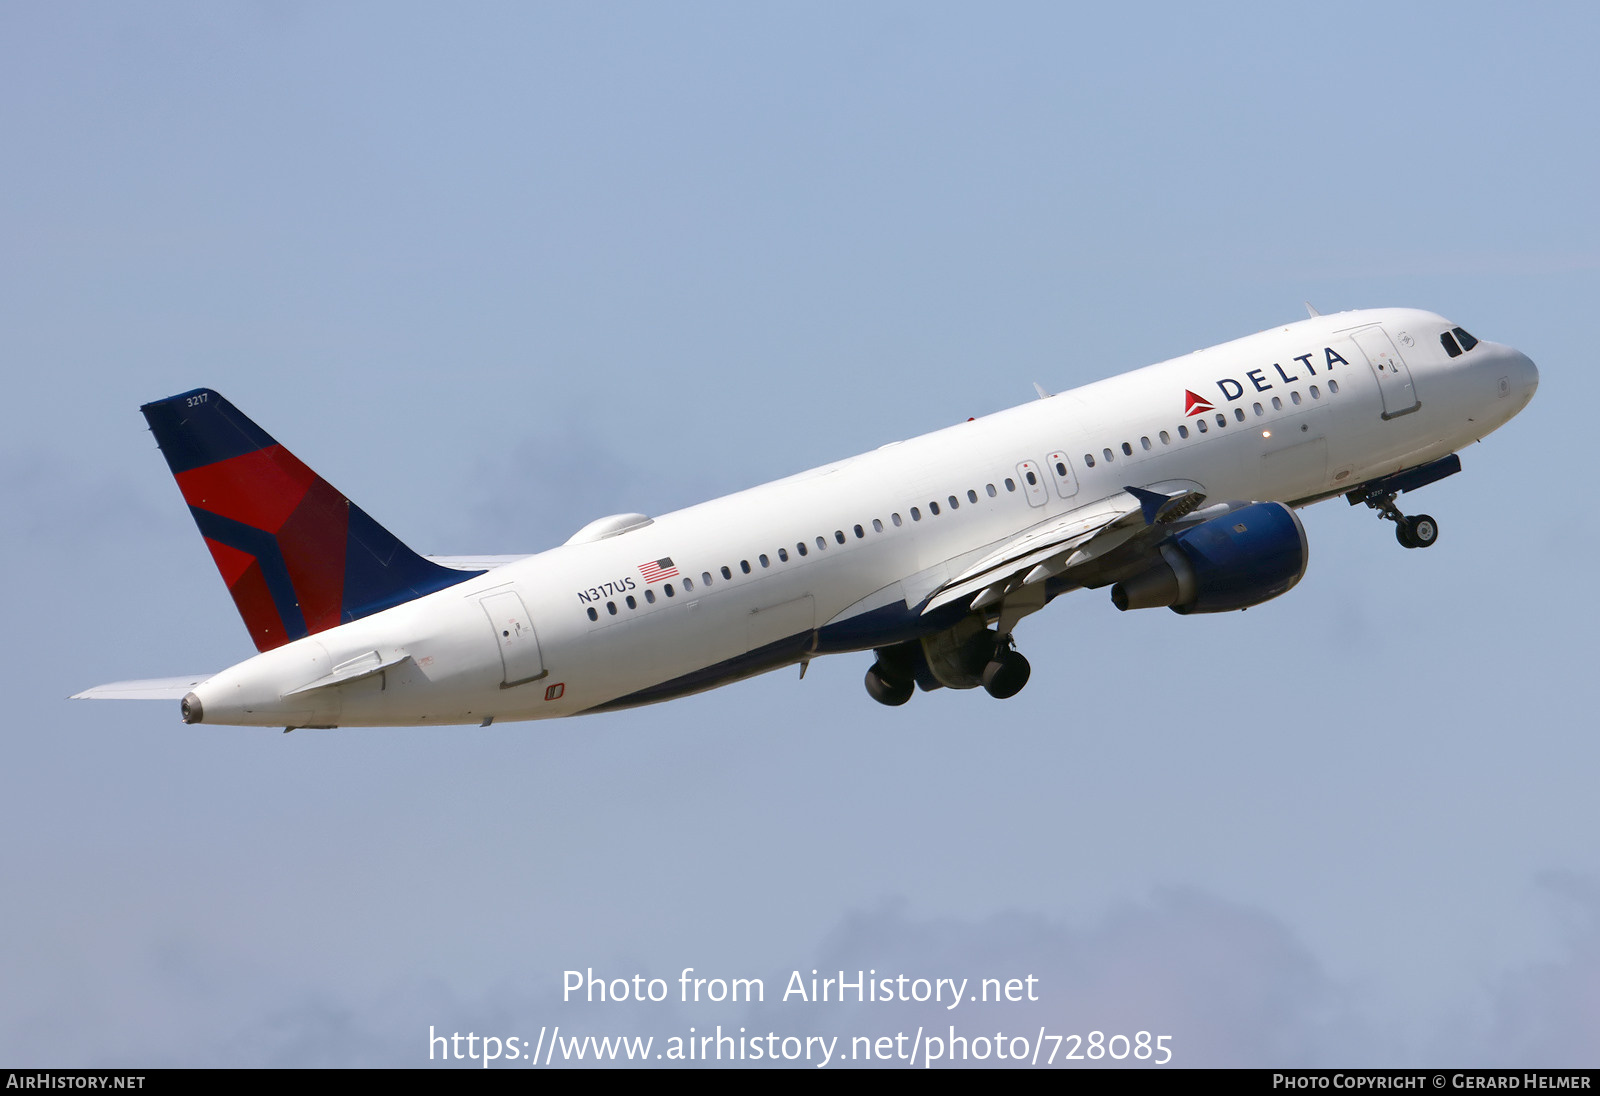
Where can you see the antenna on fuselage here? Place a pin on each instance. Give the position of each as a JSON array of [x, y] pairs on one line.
[[1039, 388], [1312, 312]]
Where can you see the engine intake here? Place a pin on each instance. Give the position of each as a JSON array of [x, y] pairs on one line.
[[1231, 562]]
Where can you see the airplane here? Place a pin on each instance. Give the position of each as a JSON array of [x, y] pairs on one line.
[[1175, 485]]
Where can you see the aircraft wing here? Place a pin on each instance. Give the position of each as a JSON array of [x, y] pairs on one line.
[[150, 688], [1056, 546]]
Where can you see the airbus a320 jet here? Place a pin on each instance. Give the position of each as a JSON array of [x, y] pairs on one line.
[[1174, 486]]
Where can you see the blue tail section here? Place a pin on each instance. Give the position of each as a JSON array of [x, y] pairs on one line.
[[297, 556]]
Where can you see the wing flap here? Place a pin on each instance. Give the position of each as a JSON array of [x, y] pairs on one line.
[[1055, 546]]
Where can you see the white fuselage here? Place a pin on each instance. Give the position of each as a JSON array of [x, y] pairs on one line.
[[843, 557]]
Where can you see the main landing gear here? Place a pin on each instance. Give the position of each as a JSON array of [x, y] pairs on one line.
[[886, 687], [1414, 531], [1006, 673], [995, 665]]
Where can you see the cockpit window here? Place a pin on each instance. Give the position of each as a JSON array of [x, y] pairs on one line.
[[1450, 346], [1467, 341]]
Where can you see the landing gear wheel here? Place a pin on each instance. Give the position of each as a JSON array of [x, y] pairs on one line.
[[887, 690], [1424, 531], [1420, 531], [1005, 676]]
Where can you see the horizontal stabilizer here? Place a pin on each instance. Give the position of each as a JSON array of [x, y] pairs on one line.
[[150, 688], [473, 563]]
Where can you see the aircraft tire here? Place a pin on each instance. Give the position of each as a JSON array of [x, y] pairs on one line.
[[888, 690], [1004, 677], [1402, 533], [1424, 531]]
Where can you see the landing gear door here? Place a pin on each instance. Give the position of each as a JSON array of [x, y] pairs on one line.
[[1394, 378], [513, 630]]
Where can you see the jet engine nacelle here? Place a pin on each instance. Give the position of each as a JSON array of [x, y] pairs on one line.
[[1231, 562]]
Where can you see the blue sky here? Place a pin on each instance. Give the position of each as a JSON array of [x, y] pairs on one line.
[[499, 270]]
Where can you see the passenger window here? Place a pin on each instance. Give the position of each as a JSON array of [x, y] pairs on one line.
[[1183, 431], [592, 614], [916, 515], [861, 534], [1088, 459], [990, 488], [1166, 439], [954, 503], [972, 496], [1222, 420], [611, 608], [1316, 393], [783, 555], [1238, 413], [1333, 388], [1127, 450], [1144, 443], [1277, 404], [705, 578], [896, 519], [838, 534], [1450, 346], [650, 597], [1010, 486], [1257, 410], [1294, 398], [822, 543], [800, 546], [1200, 424], [1467, 341], [688, 583], [933, 508], [877, 526], [726, 573], [632, 604], [1107, 453], [744, 565], [667, 589], [764, 561]]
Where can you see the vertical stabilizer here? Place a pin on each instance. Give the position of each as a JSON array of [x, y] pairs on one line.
[[297, 556]]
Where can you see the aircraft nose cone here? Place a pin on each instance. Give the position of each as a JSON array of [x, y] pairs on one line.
[[1522, 376]]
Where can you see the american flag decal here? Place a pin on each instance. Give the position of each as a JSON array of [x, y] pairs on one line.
[[658, 569]]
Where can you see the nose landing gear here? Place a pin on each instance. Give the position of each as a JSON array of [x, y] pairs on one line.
[[1420, 531], [1416, 531], [1413, 531]]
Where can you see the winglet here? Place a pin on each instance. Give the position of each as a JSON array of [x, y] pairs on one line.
[[1150, 502], [1158, 507], [297, 556]]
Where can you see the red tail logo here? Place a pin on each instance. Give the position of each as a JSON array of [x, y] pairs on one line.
[[1194, 405]]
